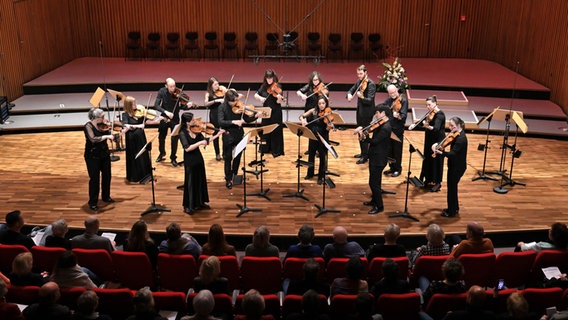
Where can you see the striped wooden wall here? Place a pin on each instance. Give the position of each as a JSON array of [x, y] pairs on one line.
[[40, 35]]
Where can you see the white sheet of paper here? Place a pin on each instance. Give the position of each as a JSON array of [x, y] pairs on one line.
[[37, 238], [241, 146], [109, 235], [552, 272], [170, 315]]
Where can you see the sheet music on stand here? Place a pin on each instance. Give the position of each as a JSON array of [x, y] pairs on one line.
[[97, 97], [241, 145], [265, 129], [328, 146], [145, 146], [266, 112]]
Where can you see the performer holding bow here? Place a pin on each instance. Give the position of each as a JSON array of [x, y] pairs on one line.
[[364, 89], [434, 126], [399, 108], [270, 94]]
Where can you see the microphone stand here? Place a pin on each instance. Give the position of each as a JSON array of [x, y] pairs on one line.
[[243, 208], [405, 213]]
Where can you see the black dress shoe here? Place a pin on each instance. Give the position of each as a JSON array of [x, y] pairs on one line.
[[188, 210], [389, 171], [204, 207], [160, 158], [320, 181], [369, 203], [308, 177], [357, 155], [307, 152], [395, 174], [108, 200], [94, 208], [229, 185], [447, 214], [436, 187], [175, 163], [376, 210], [218, 157], [362, 160]]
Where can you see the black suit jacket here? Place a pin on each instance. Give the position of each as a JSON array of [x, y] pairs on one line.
[[226, 115], [379, 145], [457, 156]]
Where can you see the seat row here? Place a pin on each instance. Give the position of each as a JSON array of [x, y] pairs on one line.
[[176, 272], [118, 302], [212, 48]]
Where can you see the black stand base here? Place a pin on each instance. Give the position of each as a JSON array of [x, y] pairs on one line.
[[114, 158], [237, 179], [298, 194], [262, 193], [154, 208], [245, 209], [481, 175], [500, 190], [383, 191], [322, 210], [403, 214], [257, 172]]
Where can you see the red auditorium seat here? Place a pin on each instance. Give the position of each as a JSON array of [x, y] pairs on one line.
[[22, 295], [8, 252], [429, 267], [45, 258], [478, 269], [294, 268], [293, 303], [261, 273], [336, 268], [117, 303], [133, 269], [229, 269], [342, 305], [541, 298], [514, 267], [172, 301], [441, 303], [399, 306], [98, 261], [271, 302], [376, 268], [69, 296], [176, 271], [548, 258]]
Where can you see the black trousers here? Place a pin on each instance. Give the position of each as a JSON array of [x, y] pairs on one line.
[[453, 178], [97, 168], [231, 165], [162, 134], [314, 146], [375, 181], [396, 154]]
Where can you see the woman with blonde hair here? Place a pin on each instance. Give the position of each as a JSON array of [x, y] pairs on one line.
[[22, 274], [209, 277]]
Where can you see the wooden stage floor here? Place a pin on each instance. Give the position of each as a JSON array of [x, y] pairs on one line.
[[44, 175]]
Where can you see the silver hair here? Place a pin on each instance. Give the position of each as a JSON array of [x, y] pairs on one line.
[[95, 113]]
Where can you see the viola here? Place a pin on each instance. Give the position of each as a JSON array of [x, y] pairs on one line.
[[142, 111], [197, 126], [321, 89], [182, 97], [327, 115], [220, 93], [240, 108], [275, 91], [376, 123], [105, 126], [448, 139]]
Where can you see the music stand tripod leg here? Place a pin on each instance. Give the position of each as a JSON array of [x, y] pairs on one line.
[[405, 213], [153, 207], [300, 192], [322, 209], [243, 208]]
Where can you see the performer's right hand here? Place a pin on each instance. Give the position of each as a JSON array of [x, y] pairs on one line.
[[109, 137], [349, 97], [238, 122], [169, 114]]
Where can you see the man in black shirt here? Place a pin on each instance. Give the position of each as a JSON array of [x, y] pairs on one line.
[[15, 222]]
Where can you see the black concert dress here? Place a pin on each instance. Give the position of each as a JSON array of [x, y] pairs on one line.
[[136, 169], [275, 139], [195, 194]]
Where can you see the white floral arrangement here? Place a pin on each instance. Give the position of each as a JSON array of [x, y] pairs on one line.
[[394, 74]]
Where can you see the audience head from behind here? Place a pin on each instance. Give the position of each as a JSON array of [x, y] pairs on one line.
[[216, 242], [311, 269], [59, 228], [253, 304], [476, 296], [49, 293], [390, 270], [392, 232], [173, 232], [261, 237], [87, 304], [306, 234], [364, 306], [210, 269], [92, 224], [558, 235], [474, 230], [355, 268], [339, 235], [311, 303], [203, 303], [138, 236], [22, 264], [15, 220], [452, 270], [517, 306], [435, 235], [143, 303]]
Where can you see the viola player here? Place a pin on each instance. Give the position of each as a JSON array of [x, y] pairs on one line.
[[270, 94], [379, 145], [213, 98], [434, 127], [399, 108], [364, 89], [457, 164]]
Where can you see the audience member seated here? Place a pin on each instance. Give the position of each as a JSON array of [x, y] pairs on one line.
[[67, 273], [57, 238], [87, 305], [90, 238], [364, 308], [453, 271], [203, 304], [558, 236], [390, 249], [22, 274], [209, 277], [216, 244], [310, 281], [8, 310], [310, 308], [139, 241], [144, 307], [47, 308], [304, 249], [475, 307], [261, 246], [178, 243], [13, 235], [474, 242], [353, 283], [391, 282], [5, 278], [340, 247], [253, 307], [436, 245], [518, 309]]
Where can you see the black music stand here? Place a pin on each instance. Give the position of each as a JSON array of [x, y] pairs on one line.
[[515, 153], [241, 147], [118, 96], [484, 147], [300, 131], [405, 213], [153, 207], [258, 141], [258, 132], [326, 181]]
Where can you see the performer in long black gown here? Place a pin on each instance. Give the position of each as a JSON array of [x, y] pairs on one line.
[[270, 94], [321, 126], [434, 126], [195, 194], [137, 170], [213, 99], [97, 157]]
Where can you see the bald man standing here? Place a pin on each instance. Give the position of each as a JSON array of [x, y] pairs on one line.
[[340, 247]]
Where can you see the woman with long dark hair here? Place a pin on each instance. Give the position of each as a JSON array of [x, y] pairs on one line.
[[139, 241], [270, 94]]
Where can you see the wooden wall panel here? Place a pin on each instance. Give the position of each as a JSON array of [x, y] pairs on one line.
[[40, 35]]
